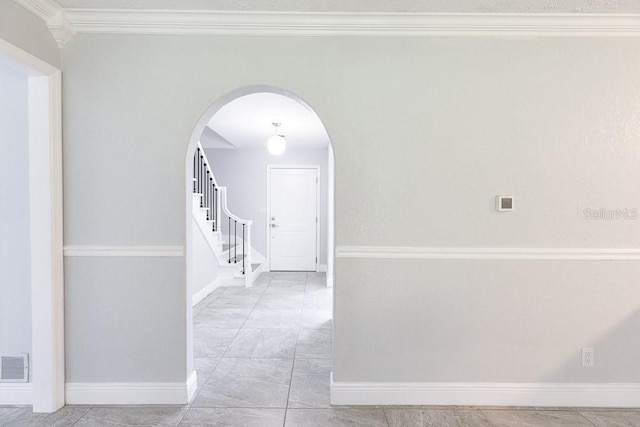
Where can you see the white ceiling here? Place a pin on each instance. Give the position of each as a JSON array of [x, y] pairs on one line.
[[246, 122], [425, 6]]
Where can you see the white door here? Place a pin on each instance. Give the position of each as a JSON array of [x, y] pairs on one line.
[[293, 221]]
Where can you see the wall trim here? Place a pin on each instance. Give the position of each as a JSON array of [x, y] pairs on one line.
[[132, 393], [350, 24], [65, 23], [54, 16], [16, 394], [123, 251], [204, 292], [43, 9], [619, 395], [45, 199], [577, 254]]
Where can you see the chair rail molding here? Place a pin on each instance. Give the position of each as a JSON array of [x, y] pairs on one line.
[[66, 23], [123, 251], [577, 254]]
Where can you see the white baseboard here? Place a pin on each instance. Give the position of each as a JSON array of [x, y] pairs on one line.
[[131, 393], [618, 395], [204, 292], [231, 282], [16, 394], [322, 268]]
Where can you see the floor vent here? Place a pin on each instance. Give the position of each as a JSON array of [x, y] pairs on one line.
[[14, 369]]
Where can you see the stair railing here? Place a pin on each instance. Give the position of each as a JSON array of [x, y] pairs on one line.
[[245, 240], [214, 198], [205, 184]]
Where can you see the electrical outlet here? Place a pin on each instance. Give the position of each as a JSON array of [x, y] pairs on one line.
[[587, 357]]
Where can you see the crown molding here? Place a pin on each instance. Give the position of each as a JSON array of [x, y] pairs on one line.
[[65, 23], [43, 9], [350, 24], [62, 29], [54, 16]]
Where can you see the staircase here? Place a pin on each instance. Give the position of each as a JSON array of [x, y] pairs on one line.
[[228, 236]]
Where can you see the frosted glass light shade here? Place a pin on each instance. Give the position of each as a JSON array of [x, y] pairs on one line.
[[276, 145]]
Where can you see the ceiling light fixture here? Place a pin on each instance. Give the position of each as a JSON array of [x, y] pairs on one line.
[[276, 144]]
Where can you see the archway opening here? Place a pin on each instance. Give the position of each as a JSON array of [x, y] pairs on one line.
[[241, 283]]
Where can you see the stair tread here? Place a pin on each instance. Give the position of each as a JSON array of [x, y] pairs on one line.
[[237, 258]]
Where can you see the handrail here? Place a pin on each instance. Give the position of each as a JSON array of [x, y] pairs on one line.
[[206, 164], [225, 208], [214, 198]]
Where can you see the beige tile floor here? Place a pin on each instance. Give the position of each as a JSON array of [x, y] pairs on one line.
[[263, 357]]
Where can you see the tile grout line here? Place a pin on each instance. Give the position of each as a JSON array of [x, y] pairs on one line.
[[199, 389], [83, 415], [230, 342], [295, 350], [184, 415], [244, 322], [213, 299], [189, 406], [588, 420], [386, 419]]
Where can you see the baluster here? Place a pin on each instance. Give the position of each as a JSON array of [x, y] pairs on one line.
[[199, 173], [210, 187], [229, 240], [195, 182], [235, 241], [215, 212], [211, 200], [206, 190], [210, 196], [243, 254], [202, 179]]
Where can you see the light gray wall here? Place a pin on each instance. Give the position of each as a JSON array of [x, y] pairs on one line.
[[426, 132], [15, 265], [204, 267], [486, 321], [244, 173], [120, 321], [25, 30]]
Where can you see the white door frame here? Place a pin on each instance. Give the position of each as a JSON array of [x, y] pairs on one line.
[[268, 219], [46, 393]]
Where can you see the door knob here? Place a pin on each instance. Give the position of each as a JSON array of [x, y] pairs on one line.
[[274, 225]]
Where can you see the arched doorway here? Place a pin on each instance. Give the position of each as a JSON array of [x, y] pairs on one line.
[[221, 217]]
